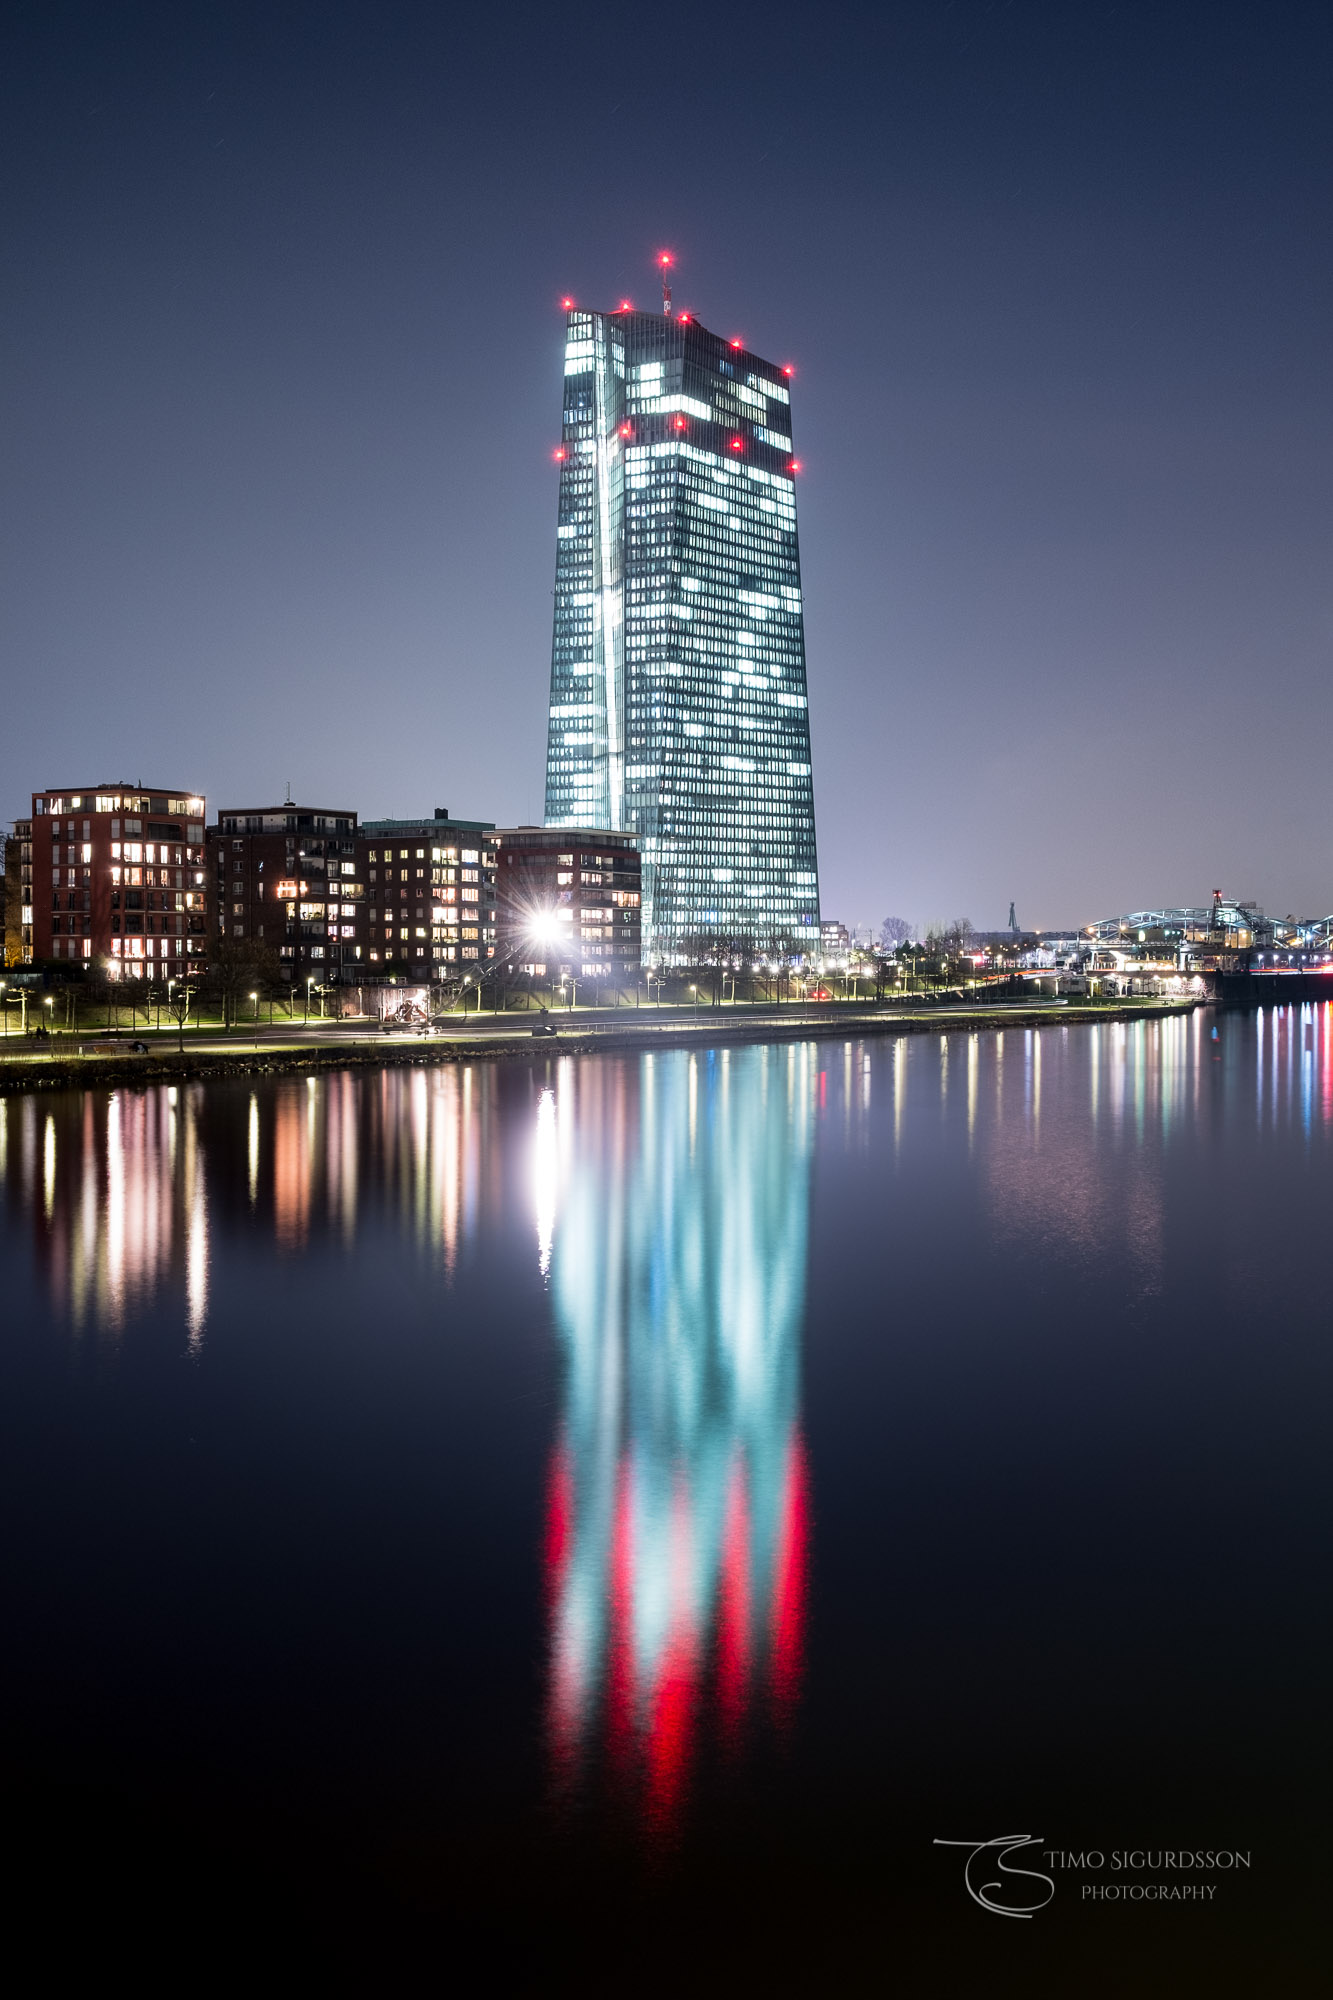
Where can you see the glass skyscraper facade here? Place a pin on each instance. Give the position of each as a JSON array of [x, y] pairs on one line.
[[678, 696]]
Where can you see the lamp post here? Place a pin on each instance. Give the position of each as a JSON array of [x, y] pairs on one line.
[[309, 983], [255, 998], [48, 1003], [695, 991], [4, 1008], [182, 1016]]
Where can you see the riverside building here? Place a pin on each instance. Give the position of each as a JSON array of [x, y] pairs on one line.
[[291, 878], [569, 901], [678, 684], [431, 894], [18, 894], [117, 881]]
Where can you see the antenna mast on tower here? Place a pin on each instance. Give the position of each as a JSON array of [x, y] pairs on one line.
[[666, 260]]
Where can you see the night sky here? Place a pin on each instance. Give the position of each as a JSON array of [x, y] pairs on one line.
[[281, 381]]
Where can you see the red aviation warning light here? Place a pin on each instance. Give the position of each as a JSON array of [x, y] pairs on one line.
[[789, 370], [680, 423], [738, 343], [626, 430], [738, 444], [625, 306], [565, 304], [795, 465], [559, 452]]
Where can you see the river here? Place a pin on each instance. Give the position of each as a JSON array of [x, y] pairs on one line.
[[642, 1504]]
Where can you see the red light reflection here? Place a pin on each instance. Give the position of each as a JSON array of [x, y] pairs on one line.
[[696, 1634]]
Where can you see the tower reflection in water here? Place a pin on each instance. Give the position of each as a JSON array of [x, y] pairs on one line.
[[672, 1202]]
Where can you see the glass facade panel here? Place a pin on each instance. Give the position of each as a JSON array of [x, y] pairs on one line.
[[678, 692]]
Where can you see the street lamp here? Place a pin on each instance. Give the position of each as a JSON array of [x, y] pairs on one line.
[[309, 983], [695, 991], [255, 998]]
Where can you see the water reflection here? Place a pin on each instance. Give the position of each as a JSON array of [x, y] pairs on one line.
[[117, 1194], [128, 1192], [677, 1512]]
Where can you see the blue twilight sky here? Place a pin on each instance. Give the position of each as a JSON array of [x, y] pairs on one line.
[[281, 379]]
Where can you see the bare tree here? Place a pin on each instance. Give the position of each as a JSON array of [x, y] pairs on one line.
[[178, 1007], [893, 932], [241, 967]]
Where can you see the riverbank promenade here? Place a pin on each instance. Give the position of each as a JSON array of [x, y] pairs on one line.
[[80, 1060]]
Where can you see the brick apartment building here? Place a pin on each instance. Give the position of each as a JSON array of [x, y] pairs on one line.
[[117, 881], [18, 894], [431, 895], [570, 901], [291, 878]]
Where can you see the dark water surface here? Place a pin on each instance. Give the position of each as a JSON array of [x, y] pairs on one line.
[[617, 1514]]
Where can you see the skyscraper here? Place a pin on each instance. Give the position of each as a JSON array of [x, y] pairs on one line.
[[678, 696]]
